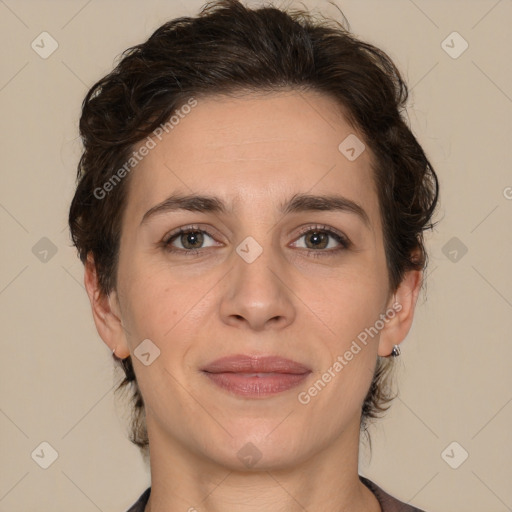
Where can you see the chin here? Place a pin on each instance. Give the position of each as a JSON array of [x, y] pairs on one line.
[[259, 448]]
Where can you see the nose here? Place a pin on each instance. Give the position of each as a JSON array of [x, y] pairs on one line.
[[258, 294]]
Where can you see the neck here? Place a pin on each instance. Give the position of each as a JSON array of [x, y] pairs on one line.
[[183, 480]]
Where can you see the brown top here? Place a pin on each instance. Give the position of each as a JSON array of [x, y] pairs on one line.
[[386, 501]]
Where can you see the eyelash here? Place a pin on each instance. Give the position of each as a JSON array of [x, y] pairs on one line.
[[315, 253]]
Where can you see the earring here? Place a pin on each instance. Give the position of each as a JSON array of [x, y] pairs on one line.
[[395, 352]]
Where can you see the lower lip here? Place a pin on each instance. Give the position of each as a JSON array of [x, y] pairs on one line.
[[251, 385]]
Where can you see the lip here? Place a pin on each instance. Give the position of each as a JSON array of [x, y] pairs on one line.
[[256, 376], [240, 363]]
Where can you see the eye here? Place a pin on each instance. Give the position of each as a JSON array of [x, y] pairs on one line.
[[318, 238], [190, 238], [319, 241]]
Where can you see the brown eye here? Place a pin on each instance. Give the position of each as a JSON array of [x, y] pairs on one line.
[[188, 241], [191, 239], [322, 241], [317, 240]]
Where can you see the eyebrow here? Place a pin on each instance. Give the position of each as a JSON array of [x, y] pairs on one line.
[[297, 203]]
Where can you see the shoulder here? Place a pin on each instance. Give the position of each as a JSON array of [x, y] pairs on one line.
[[140, 504], [387, 502]]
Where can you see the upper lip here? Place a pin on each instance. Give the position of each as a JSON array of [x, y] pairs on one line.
[[240, 363]]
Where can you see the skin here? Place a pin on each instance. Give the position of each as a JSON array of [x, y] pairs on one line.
[[254, 152]]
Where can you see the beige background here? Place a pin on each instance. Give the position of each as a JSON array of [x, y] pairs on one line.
[[454, 379]]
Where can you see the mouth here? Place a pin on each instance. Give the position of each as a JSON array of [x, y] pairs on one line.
[[256, 376]]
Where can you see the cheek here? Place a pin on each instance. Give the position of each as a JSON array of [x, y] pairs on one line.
[[346, 304], [161, 304], [146, 301]]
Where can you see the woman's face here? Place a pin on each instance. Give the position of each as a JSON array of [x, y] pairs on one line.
[[265, 275]]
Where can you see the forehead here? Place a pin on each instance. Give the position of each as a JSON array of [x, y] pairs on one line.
[[255, 151]]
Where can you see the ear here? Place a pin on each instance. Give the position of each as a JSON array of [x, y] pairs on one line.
[[105, 311], [396, 328]]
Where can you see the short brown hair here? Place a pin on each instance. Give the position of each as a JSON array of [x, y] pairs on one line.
[[229, 48]]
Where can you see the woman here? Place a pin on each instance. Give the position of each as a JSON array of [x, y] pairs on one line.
[[250, 213]]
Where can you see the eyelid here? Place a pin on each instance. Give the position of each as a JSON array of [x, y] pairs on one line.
[[322, 227], [189, 228]]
